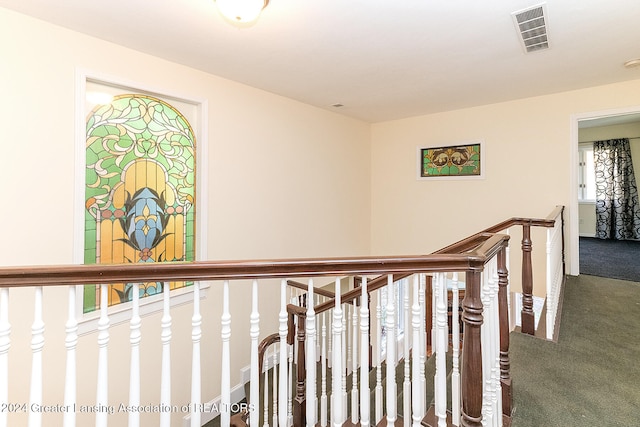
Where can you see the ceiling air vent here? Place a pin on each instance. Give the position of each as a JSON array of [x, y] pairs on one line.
[[532, 26]]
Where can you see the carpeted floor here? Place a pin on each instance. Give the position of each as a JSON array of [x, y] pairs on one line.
[[591, 376], [618, 259]]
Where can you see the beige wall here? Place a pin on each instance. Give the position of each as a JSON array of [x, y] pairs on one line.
[[284, 180], [528, 168], [587, 213]]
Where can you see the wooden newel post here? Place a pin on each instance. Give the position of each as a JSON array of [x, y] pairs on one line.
[[299, 401], [503, 309], [471, 373], [528, 319]]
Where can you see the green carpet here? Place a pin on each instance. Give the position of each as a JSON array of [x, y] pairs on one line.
[[591, 377]]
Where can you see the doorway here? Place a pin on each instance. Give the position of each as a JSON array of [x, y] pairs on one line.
[[586, 128]]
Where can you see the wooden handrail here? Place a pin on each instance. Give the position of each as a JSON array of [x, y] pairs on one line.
[[262, 348], [227, 270], [547, 222], [319, 291], [446, 259]]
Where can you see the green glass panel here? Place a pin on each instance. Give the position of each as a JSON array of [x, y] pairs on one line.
[[132, 128]]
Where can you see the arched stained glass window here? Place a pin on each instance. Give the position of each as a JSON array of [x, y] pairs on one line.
[[139, 190]]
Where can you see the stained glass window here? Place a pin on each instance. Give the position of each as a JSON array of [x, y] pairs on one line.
[[139, 189]]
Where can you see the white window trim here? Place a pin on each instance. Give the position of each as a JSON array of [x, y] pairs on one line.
[[120, 313], [582, 147]]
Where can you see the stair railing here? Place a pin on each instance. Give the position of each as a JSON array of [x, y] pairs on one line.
[[477, 251], [555, 275], [488, 247]]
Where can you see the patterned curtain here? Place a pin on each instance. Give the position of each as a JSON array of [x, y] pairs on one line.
[[617, 210]]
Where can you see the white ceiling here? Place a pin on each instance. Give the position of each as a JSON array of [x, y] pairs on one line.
[[382, 59]]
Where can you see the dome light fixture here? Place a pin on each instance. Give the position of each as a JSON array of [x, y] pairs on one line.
[[632, 63], [241, 12]]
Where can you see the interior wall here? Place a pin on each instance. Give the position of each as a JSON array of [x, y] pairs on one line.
[[284, 180], [587, 212], [528, 168]]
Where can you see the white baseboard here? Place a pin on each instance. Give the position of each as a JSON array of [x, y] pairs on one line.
[[538, 304], [237, 394], [212, 407]]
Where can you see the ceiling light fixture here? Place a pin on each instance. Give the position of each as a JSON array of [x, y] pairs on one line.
[[241, 12], [632, 63]]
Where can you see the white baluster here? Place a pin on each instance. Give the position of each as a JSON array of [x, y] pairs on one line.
[[165, 379], [495, 342], [5, 345], [290, 370], [485, 337], [102, 393], [348, 336], [484, 346], [550, 285], [318, 326], [323, 365], [274, 421], [364, 357], [310, 346], [225, 368], [416, 389], [496, 345], [553, 274], [196, 336], [290, 389], [329, 338], [354, 369], [434, 321], [135, 336], [423, 342], [440, 381], [378, 353], [37, 343], [71, 341], [392, 388], [455, 345], [254, 332], [265, 416], [345, 366], [283, 389], [337, 417], [406, 398]]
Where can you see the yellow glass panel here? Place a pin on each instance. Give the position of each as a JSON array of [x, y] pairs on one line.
[[179, 241], [129, 179], [119, 196], [106, 242], [161, 177], [118, 246], [130, 254], [170, 241], [114, 298], [141, 174], [151, 179]]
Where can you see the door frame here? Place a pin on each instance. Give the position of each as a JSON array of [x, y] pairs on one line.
[[574, 220]]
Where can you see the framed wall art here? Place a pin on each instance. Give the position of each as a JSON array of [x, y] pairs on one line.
[[463, 161]]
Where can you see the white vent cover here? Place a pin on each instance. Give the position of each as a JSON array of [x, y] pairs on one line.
[[531, 23]]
